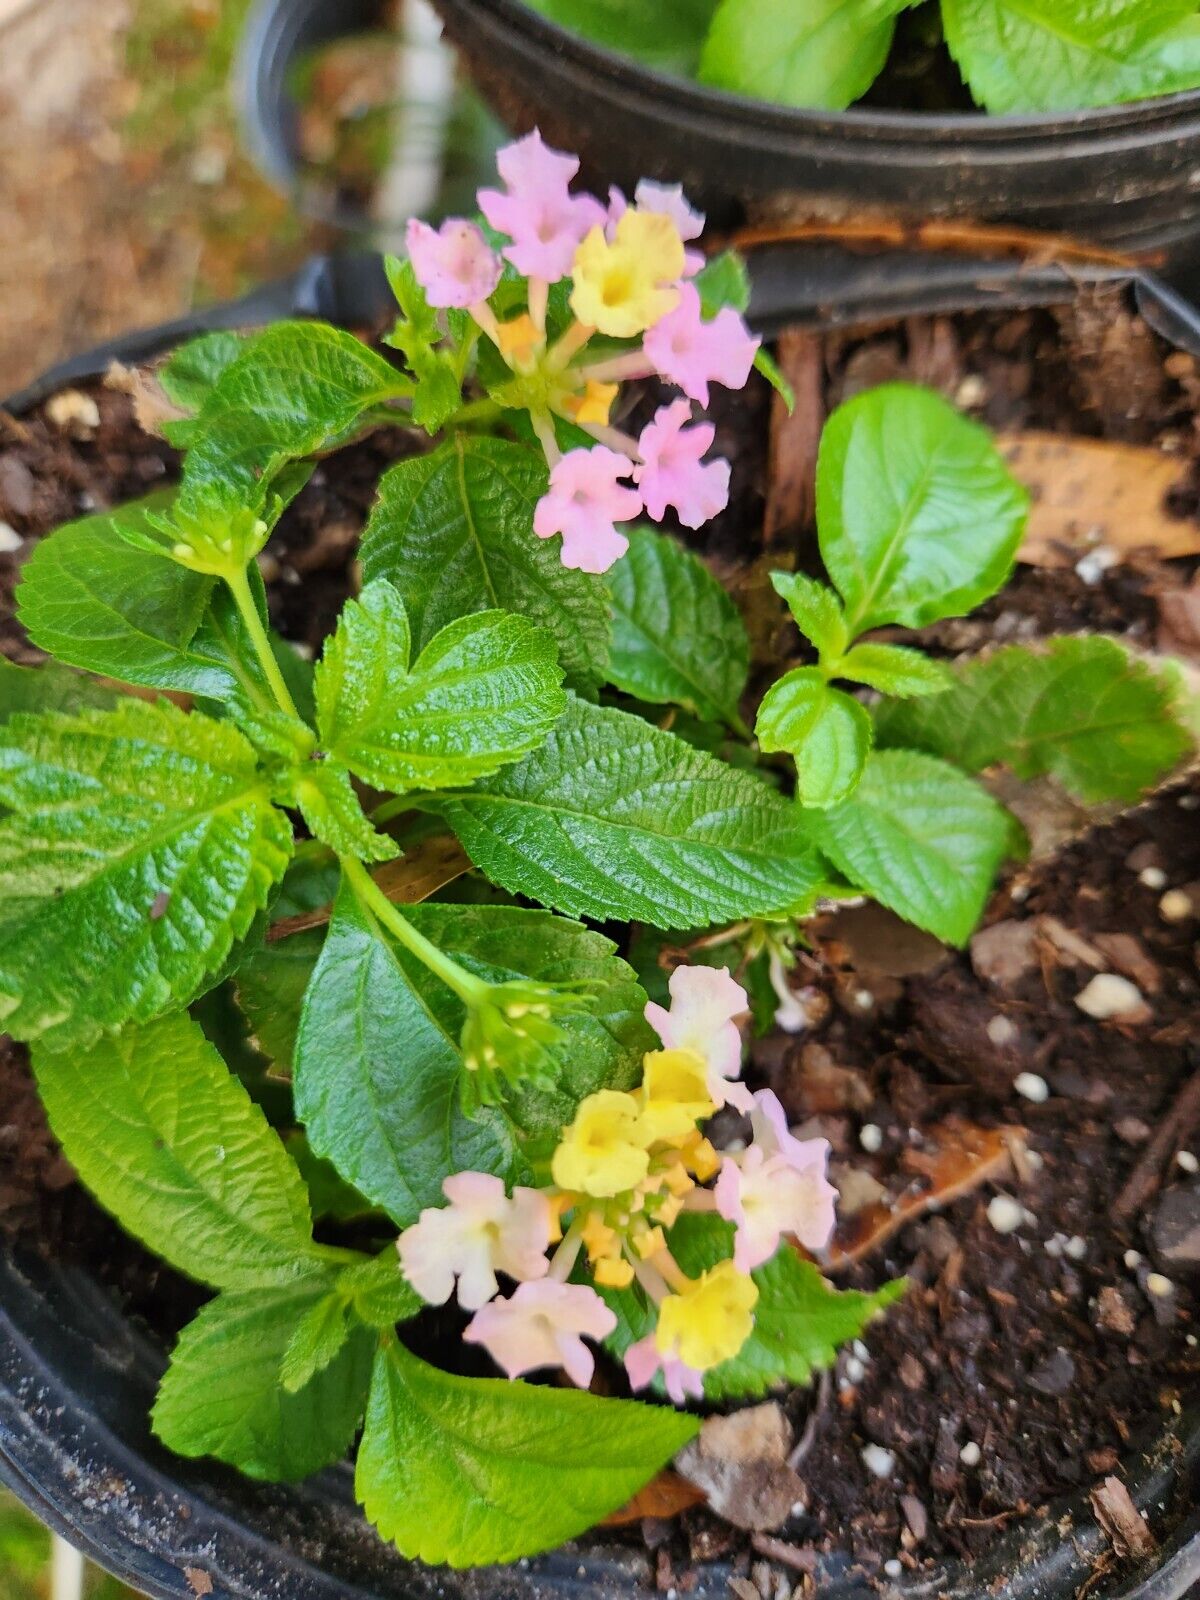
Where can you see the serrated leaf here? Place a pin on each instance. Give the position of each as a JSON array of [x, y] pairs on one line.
[[317, 1339], [1081, 709], [141, 844], [616, 820], [48, 688], [1064, 55], [828, 734], [378, 1292], [918, 514], [223, 1392], [328, 1192], [417, 335], [816, 609], [800, 1320], [483, 692], [471, 1471], [189, 373], [453, 531], [819, 53], [893, 669], [325, 798], [172, 1145], [921, 838], [677, 636]]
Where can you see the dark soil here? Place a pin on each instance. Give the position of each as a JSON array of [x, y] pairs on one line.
[[1045, 1346]]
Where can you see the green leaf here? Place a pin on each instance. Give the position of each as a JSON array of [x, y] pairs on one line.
[[892, 669], [723, 281], [817, 611], [378, 1292], [317, 1339], [766, 365], [190, 372], [224, 1395], [48, 688], [453, 531], [820, 53], [417, 334], [616, 820], [325, 798], [471, 1471], [800, 1320], [141, 845], [329, 1194], [677, 636], [377, 1075], [667, 35], [1063, 55], [483, 692], [921, 838], [919, 516], [270, 985], [1081, 709], [172, 1145], [828, 733]]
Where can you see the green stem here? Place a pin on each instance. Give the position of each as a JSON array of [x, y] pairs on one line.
[[476, 411], [239, 588], [464, 984]]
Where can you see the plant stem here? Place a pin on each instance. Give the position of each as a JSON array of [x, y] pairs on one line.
[[239, 588], [464, 984], [475, 411]]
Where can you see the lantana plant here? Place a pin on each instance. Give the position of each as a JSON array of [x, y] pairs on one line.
[[297, 943]]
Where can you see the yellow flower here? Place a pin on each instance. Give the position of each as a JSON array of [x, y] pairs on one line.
[[593, 405], [603, 1152], [519, 341], [614, 1272], [627, 286], [674, 1093], [710, 1320]]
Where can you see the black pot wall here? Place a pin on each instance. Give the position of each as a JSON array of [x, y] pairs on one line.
[[1124, 176], [77, 1377]]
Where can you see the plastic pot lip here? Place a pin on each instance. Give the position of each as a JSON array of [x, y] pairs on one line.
[[1158, 116], [65, 1444]]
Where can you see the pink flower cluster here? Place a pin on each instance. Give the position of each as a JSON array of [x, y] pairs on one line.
[[630, 270]]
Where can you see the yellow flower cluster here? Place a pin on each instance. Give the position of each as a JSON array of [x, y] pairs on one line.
[[626, 285]]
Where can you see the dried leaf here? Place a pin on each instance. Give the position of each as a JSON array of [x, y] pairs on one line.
[[414, 877], [1121, 1519], [668, 1495]]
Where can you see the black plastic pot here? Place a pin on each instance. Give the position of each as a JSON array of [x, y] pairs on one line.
[[1123, 176], [77, 1376]]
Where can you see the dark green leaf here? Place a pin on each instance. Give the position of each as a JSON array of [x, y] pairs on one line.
[[667, 35], [48, 688], [270, 988], [828, 734], [821, 53], [723, 281]]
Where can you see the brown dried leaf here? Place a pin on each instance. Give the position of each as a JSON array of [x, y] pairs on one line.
[[414, 877], [1121, 1519], [668, 1495]]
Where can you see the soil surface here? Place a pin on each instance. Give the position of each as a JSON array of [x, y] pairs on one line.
[[1022, 1362]]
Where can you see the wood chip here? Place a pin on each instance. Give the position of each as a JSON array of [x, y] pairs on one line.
[[1091, 492], [792, 474], [666, 1496], [406, 882], [198, 1580], [1121, 1519]]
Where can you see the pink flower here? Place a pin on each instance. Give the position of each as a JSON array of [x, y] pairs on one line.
[[778, 1186], [586, 498], [665, 200], [481, 1232], [643, 1360], [545, 222], [704, 1002], [692, 353], [540, 1325], [673, 472], [454, 263]]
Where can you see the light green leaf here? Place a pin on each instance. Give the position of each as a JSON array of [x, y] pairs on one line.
[[677, 636], [483, 692], [1062, 55], [378, 1292], [918, 514], [800, 1321], [766, 366], [828, 733], [317, 1339], [616, 820], [816, 609], [325, 797], [223, 1394], [453, 531], [188, 376], [667, 35], [48, 688], [140, 846], [417, 335], [723, 281], [1081, 709], [172, 1145], [893, 669], [921, 838], [471, 1471], [820, 53]]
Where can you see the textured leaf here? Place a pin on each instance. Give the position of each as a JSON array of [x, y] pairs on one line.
[[223, 1392], [453, 531], [471, 1471], [919, 837], [1081, 709], [677, 636], [1060, 55], [893, 669], [140, 846], [821, 53], [172, 1145], [483, 692], [188, 375], [918, 514], [270, 988], [325, 798], [800, 1321], [48, 688], [817, 611], [827, 732], [317, 1339], [614, 819], [417, 335]]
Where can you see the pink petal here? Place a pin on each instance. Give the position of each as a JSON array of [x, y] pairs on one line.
[[672, 472], [692, 353], [454, 263], [669, 200], [584, 501]]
